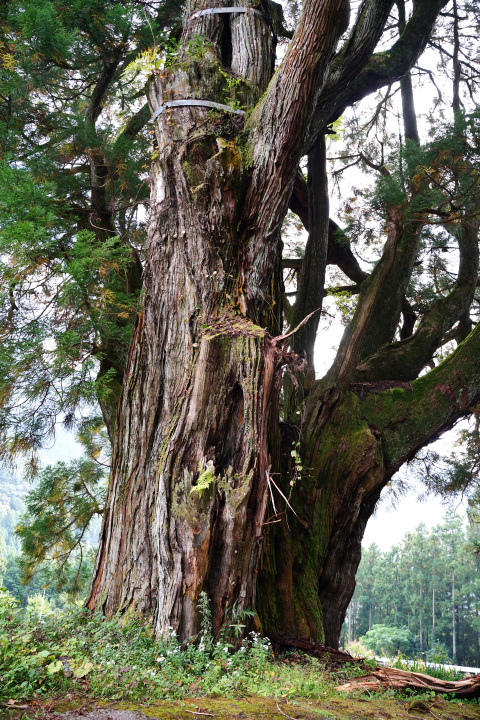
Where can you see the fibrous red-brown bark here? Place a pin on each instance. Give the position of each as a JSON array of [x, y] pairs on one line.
[[202, 463], [203, 373]]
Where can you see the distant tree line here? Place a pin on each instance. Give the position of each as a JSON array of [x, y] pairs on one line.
[[12, 579], [428, 585]]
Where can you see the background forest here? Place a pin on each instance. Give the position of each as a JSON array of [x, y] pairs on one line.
[[422, 597]]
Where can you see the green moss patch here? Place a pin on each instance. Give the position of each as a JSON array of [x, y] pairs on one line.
[[260, 708]]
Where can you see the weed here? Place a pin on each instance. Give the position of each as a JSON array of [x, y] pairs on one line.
[[205, 479]]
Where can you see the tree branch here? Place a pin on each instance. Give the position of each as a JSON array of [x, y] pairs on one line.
[[357, 50], [280, 121], [380, 303], [311, 279], [338, 252], [135, 123], [408, 105], [404, 360], [409, 420], [382, 69]]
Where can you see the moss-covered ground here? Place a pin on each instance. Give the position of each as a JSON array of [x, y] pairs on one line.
[[336, 707]]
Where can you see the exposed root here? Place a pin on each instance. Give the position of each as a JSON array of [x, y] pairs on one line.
[[392, 679], [333, 658]]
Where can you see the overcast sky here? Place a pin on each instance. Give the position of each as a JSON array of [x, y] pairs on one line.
[[389, 525]]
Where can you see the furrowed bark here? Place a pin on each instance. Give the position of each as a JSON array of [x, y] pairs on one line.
[[279, 123], [189, 485], [312, 561], [211, 379], [355, 440], [358, 48]]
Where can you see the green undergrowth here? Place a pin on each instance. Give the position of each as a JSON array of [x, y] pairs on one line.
[[80, 659], [79, 650]]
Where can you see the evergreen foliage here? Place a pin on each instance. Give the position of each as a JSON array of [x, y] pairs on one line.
[[73, 149], [43, 582], [73, 144], [60, 510]]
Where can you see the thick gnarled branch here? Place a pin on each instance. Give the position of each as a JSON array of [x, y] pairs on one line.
[[381, 297], [405, 360], [407, 420]]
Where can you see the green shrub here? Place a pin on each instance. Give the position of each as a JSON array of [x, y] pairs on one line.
[[419, 665], [386, 640], [358, 650], [438, 654]]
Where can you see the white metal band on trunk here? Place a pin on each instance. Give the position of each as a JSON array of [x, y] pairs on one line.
[[194, 102], [232, 9], [213, 11]]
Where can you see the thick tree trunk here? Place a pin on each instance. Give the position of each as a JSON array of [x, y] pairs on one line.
[[197, 431], [189, 484], [210, 490]]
